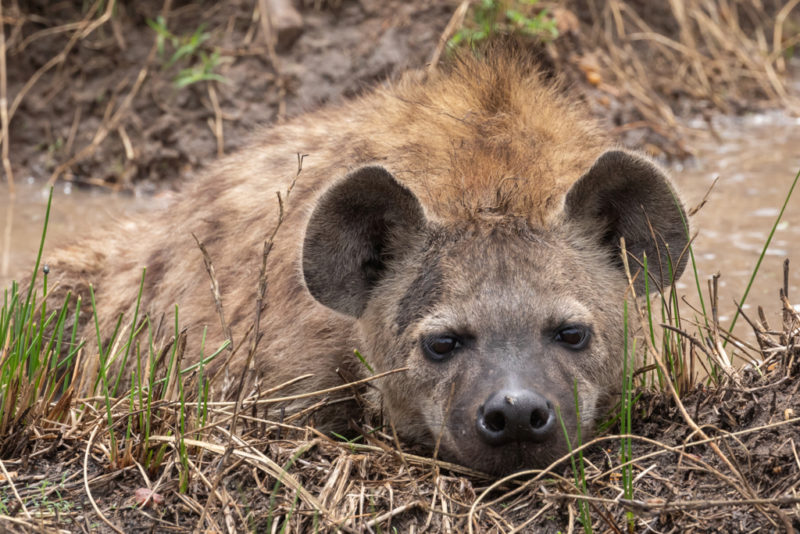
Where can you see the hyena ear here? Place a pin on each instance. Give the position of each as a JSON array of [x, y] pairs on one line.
[[628, 196], [357, 227]]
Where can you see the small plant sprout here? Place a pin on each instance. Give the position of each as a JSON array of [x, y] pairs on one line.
[[509, 17], [198, 65]]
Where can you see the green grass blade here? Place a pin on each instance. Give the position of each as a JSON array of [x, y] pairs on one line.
[[763, 253]]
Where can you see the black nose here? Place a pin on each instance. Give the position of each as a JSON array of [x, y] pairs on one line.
[[515, 415]]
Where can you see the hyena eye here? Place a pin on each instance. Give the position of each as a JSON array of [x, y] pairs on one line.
[[574, 337], [440, 347]]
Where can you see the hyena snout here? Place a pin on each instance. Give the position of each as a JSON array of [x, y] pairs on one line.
[[515, 415]]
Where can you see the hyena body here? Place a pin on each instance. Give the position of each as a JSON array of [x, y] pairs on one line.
[[465, 226]]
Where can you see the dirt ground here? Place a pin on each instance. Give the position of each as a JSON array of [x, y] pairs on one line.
[[108, 113], [735, 468], [169, 133], [100, 105]]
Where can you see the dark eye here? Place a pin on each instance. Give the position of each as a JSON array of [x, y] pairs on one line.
[[574, 337], [440, 348]]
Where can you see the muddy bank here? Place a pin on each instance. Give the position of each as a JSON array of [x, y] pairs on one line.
[[116, 97], [97, 95]]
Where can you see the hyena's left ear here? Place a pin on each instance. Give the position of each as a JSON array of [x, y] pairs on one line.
[[358, 226], [626, 195]]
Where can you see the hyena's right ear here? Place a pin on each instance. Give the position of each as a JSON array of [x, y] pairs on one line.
[[358, 225]]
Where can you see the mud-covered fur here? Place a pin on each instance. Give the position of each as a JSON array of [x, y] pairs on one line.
[[477, 202]]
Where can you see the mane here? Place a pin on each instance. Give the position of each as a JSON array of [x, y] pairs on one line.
[[492, 134]]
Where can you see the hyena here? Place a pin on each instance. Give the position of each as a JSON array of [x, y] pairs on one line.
[[464, 225]]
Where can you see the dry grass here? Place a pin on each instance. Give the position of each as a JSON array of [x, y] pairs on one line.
[[667, 58], [681, 56], [691, 471]]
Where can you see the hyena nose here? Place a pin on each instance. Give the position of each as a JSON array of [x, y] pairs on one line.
[[515, 415]]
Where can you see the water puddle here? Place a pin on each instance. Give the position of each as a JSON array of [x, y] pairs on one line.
[[755, 158], [74, 212]]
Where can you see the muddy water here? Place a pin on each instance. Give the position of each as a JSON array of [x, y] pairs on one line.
[[755, 159], [74, 212]]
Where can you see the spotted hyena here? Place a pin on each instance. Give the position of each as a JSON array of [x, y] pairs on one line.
[[463, 225]]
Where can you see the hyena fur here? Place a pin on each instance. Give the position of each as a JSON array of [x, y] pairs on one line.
[[463, 224]]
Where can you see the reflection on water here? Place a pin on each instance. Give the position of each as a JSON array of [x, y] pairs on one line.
[[755, 158], [74, 212]]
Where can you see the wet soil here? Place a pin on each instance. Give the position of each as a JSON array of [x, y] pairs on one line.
[[344, 48], [763, 453], [742, 476], [110, 111]]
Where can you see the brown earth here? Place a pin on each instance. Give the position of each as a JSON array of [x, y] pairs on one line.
[[91, 100], [343, 50]]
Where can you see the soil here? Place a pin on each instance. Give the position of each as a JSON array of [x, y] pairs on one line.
[[343, 49], [742, 476], [109, 112], [165, 134]]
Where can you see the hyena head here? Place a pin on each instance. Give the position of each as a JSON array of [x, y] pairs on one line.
[[501, 323]]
